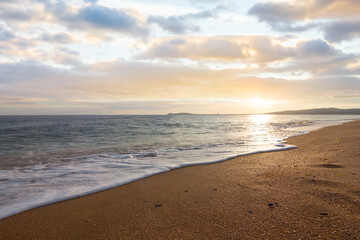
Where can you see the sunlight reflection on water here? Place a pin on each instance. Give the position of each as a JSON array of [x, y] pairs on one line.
[[259, 129]]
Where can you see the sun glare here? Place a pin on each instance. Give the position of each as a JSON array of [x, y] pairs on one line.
[[262, 103], [260, 119]]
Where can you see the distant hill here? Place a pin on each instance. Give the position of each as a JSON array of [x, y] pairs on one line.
[[180, 114], [321, 111]]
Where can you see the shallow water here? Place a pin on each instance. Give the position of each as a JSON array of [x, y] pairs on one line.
[[45, 159]]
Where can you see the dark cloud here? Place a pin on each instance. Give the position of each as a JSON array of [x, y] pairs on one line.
[[315, 48], [339, 31], [274, 13], [104, 18], [282, 16], [183, 23], [312, 14]]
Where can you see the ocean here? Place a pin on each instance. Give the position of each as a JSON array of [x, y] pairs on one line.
[[46, 159]]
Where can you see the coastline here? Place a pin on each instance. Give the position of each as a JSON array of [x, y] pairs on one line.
[[313, 189]]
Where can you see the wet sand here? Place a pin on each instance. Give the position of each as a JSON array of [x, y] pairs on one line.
[[312, 192]]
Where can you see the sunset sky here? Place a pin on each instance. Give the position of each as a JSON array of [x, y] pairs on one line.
[[160, 56]]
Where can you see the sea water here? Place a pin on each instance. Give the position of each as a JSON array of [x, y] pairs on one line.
[[45, 159]]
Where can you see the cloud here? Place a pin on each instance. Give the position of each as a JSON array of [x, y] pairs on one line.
[[15, 12], [19, 48], [339, 31], [64, 56], [333, 9], [91, 1], [109, 87], [312, 14], [198, 70], [255, 49], [277, 12], [315, 48], [215, 48], [281, 16], [14, 47], [183, 23], [114, 19], [6, 35], [103, 19], [35, 38], [20, 15], [211, 48], [63, 38], [84, 18], [338, 66]]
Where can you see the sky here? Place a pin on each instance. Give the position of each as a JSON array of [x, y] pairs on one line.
[[161, 56]]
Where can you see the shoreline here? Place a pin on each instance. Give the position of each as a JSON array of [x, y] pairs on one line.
[[99, 190], [153, 197], [281, 146], [185, 165]]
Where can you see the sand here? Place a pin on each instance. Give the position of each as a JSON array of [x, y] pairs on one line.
[[312, 192]]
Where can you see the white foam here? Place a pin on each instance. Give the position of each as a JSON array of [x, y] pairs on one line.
[[92, 174]]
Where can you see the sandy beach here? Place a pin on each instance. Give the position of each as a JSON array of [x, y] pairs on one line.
[[312, 192]]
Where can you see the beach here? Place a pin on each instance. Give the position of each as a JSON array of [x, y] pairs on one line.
[[311, 192]]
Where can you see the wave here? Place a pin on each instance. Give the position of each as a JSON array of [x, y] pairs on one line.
[[43, 184]]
